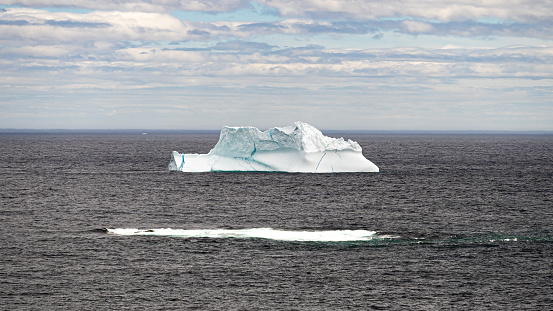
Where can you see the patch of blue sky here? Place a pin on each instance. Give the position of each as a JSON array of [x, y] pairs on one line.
[[254, 12], [492, 20]]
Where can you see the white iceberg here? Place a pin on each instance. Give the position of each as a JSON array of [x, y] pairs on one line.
[[299, 148], [261, 233]]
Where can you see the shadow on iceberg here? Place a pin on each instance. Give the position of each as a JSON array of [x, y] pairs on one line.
[[299, 148]]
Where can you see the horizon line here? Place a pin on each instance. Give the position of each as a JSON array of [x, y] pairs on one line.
[[206, 131]]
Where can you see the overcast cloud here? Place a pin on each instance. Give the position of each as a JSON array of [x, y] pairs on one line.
[[394, 65]]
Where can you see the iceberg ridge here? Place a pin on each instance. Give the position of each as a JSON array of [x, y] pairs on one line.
[[297, 148]]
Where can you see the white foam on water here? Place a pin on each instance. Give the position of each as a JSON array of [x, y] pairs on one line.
[[504, 240], [263, 233]]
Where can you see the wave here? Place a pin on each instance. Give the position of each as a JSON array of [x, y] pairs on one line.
[[261, 233]]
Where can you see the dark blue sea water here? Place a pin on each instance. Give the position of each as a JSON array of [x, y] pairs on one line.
[[462, 221]]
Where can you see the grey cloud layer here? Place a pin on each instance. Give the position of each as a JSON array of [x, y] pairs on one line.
[[252, 59], [140, 6], [135, 58], [229, 81], [107, 41], [40, 25], [521, 10]]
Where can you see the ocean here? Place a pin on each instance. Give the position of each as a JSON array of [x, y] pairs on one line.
[[451, 222]]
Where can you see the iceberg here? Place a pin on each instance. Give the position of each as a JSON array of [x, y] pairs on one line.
[[299, 148], [260, 233]]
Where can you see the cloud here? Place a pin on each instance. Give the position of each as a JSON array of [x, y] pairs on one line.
[[335, 27], [74, 24], [478, 29], [416, 27], [198, 33], [128, 56], [99, 40], [19, 25], [244, 59], [242, 46], [14, 22], [437, 10], [523, 10], [41, 26], [137, 6]]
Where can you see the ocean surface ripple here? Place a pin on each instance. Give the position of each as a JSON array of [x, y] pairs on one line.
[[94, 221]]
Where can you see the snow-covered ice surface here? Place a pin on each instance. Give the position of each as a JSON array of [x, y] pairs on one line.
[[261, 233], [297, 148]]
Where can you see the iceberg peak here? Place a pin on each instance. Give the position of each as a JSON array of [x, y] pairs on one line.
[[242, 141], [296, 148]]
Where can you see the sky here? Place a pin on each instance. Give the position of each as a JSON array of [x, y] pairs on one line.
[[476, 65]]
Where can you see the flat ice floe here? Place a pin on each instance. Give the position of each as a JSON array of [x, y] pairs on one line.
[[299, 148], [261, 233]]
